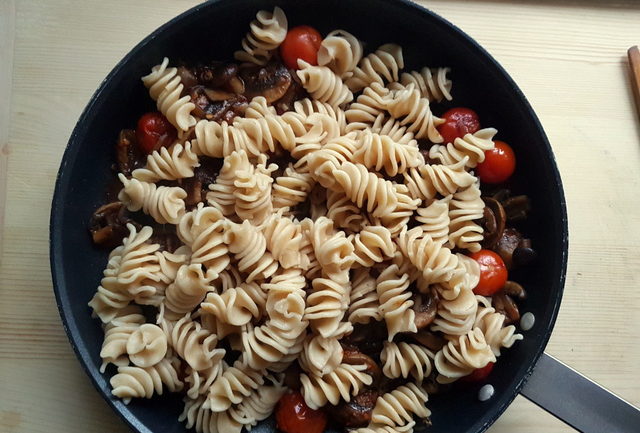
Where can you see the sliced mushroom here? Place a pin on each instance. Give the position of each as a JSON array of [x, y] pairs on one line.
[[507, 244], [293, 93], [430, 340], [357, 412], [271, 81], [368, 338], [292, 376], [128, 154], [426, 307], [517, 208], [514, 289], [166, 237], [524, 253], [217, 110], [187, 77], [353, 356], [504, 304], [108, 224], [216, 95], [193, 187], [494, 220], [218, 76]]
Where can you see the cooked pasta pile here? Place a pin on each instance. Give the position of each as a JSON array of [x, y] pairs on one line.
[[386, 223]]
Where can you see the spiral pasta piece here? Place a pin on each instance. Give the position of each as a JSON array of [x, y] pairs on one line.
[[343, 212], [392, 128], [253, 193], [307, 106], [116, 334], [198, 382], [376, 428], [232, 387], [138, 382], [147, 345], [265, 345], [491, 323], [176, 162], [320, 356], [460, 357], [432, 83], [377, 67], [165, 87], [322, 162], [426, 181], [284, 238], [236, 306], [221, 139], [436, 262], [266, 33], [466, 276], [404, 359], [221, 193], [326, 306], [379, 152], [393, 291], [372, 245], [365, 188], [292, 187], [340, 51], [415, 113], [396, 408], [323, 84], [343, 382], [465, 208], [398, 218], [470, 149], [256, 407], [369, 105], [332, 249], [206, 239], [187, 291], [456, 316], [165, 204], [195, 345], [249, 246], [364, 304], [434, 220]]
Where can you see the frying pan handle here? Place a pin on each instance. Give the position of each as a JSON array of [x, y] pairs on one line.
[[578, 401]]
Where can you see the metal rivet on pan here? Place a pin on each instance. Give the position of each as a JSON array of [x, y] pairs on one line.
[[527, 321], [485, 393]]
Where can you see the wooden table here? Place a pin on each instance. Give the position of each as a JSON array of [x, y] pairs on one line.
[[569, 59]]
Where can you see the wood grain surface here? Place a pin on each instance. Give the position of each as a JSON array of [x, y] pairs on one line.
[[569, 59]]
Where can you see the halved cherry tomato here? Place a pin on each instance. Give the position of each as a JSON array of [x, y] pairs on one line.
[[302, 42], [493, 272], [457, 123], [294, 416], [498, 165], [154, 131], [479, 373]]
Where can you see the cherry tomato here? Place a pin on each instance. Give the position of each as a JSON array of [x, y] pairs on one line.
[[294, 416], [457, 123], [479, 373], [498, 165], [154, 131], [493, 272], [302, 42]]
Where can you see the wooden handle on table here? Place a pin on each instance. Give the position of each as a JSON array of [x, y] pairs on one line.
[[634, 65]]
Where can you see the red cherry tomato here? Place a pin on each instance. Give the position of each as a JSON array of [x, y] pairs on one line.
[[457, 123], [154, 131], [479, 373], [498, 165], [294, 416], [493, 272], [302, 42]]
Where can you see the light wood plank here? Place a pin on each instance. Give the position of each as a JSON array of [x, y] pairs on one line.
[[568, 57]]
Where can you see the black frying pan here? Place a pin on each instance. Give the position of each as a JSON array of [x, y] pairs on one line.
[[213, 31]]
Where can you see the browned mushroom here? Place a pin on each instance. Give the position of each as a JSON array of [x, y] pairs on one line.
[[514, 289], [216, 95], [292, 376], [517, 208], [353, 356], [217, 110], [504, 304], [367, 337], [271, 81], [108, 224], [193, 187], [494, 220], [218, 76], [166, 237], [507, 244], [128, 154], [524, 253], [430, 340], [293, 93], [187, 77], [426, 307], [357, 412]]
